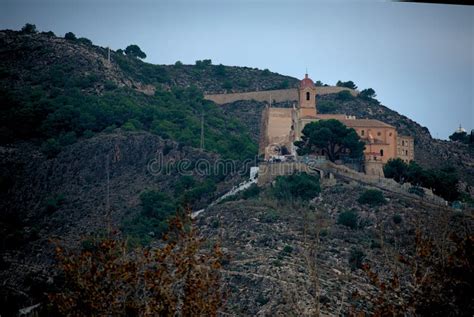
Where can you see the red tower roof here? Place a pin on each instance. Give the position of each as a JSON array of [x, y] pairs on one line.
[[306, 82]]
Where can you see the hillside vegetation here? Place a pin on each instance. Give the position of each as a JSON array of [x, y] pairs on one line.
[[58, 90], [80, 138]]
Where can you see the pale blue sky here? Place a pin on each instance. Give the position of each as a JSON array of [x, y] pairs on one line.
[[419, 58]]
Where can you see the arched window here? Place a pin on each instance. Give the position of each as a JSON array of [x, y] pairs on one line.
[[308, 96], [381, 152]]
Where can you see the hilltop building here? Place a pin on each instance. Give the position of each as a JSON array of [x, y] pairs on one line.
[[282, 126]]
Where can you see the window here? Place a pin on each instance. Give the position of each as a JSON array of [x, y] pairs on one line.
[[308, 96], [362, 132], [379, 133], [390, 134], [406, 152], [403, 143], [381, 152]]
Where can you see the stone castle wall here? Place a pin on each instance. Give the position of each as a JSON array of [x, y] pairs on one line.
[[279, 95]]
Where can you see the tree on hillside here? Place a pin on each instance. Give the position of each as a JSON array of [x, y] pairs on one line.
[[318, 83], [460, 137], [29, 28], [70, 36], [348, 84], [368, 93], [396, 169], [134, 51], [330, 137], [203, 63]]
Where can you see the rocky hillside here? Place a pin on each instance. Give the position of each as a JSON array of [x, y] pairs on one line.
[[30, 59], [80, 142], [267, 243]]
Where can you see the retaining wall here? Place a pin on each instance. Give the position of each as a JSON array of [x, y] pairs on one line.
[[279, 95]]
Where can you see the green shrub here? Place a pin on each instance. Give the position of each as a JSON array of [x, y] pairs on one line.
[[344, 95], [417, 190], [84, 40], [88, 134], [152, 220], [220, 70], [67, 138], [348, 219], [348, 84], [227, 85], [372, 197], [110, 128], [396, 169], [70, 36], [156, 204], [51, 148], [397, 219], [270, 216], [251, 192], [132, 125], [53, 203], [29, 28], [326, 107], [287, 249], [262, 300], [356, 258], [283, 85], [296, 186]]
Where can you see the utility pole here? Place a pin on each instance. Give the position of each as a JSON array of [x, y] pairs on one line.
[[108, 54], [202, 130]]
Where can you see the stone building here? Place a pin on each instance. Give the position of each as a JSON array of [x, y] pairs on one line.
[[282, 126]]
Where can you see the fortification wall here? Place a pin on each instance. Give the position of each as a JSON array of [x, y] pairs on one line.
[[279, 95]]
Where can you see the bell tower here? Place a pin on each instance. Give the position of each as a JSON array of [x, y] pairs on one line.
[[307, 98]]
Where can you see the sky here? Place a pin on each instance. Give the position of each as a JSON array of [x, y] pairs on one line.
[[419, 58]]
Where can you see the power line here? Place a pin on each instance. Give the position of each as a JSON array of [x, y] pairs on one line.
[[202, 130]]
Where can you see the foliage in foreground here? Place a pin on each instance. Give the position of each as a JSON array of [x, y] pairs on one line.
[[106, 279]]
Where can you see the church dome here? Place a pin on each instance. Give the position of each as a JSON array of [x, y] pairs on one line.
[[306, 82]]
